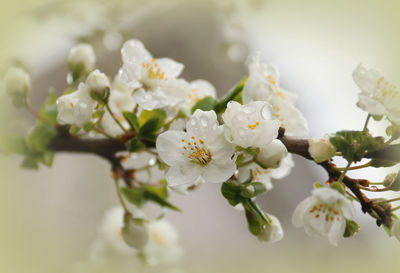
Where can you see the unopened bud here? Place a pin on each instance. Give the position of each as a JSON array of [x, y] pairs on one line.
[[17, 85], [81, 60], [321, 149], [270, 156], [99, 86], [135, 232], [272, 233], [389, 179], [395, 229]]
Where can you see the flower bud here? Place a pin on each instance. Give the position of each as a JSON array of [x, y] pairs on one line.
[[17, 85], [81, 60], [272, 233], [135, 232], [395, 229], [321, 149], [270, 156], [99, 86], [389, 179]]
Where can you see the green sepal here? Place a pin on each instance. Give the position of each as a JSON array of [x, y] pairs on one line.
[[338, 186], [352, 228], [231, 192], [252, 190]]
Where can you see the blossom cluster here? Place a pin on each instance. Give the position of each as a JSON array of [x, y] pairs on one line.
[[189, 136]]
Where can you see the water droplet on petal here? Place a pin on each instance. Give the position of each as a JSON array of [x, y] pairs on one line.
[[266, 112], [204, 121]]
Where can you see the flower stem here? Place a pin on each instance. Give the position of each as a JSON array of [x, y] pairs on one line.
[[355, 167], [388, 201], [101, 131], [342, 175], [115, 119], [366, 123], [36, 114], [121, 199], [395, 208], [374, 190]]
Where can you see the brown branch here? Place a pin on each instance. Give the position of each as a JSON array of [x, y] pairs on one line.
[[300, 147], [108, 148]]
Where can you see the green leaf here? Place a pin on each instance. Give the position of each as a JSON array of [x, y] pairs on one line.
[[134, 196], [351, 228], [49, 108], [132, 120], [29, 163], [354, 144], [205, 104], [134, 145], [40, 137], [378, 163], [157, 197], [235, 94], [149, 129], [157, 114]]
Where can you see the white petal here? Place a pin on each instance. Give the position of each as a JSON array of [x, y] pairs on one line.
[[216, 172], [301, 209], [336, 231], [171, 68], [133, 51], [370, 105], [284, 168], [169, 147], [365, 79], [185, 173], [204, 88]]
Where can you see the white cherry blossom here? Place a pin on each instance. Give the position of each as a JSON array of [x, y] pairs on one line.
[[263, 85], [324, 213], [265, 175], [155, 79], [250, 124], [201, 151], [378, 96], [272, 233], [199, 89], [76, 108]]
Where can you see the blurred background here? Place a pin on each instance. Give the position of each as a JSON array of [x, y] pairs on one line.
[[50, 217]]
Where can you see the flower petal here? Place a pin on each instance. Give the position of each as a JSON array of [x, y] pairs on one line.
[[216, 172], [185, 173], [171, 68], [169, 147]]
